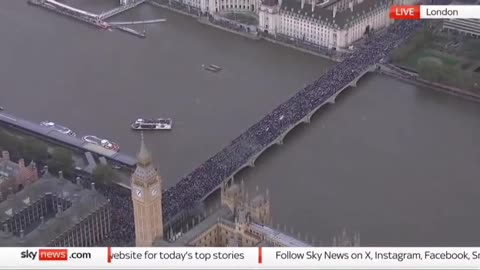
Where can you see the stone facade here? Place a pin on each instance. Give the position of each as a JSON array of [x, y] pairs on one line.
[[147, 200], [334, 26], [241, 220], [15, 176], [54, 212], [468, 27]]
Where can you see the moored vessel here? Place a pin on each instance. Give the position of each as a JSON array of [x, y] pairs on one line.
[[152, 124], [101, 142], [59, 128], [212, 68]]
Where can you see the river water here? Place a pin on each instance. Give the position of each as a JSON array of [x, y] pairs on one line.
[[396, 163]]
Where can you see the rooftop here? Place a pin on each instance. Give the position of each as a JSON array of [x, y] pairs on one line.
[[341, 19], [327, 3], [8, 169], [204, 225], [277, 236], [83, 203]]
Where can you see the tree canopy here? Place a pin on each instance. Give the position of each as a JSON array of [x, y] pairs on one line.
[[33, 149], [105, 175], [431, 68], [9, 143], [420, 40], [62, 160]]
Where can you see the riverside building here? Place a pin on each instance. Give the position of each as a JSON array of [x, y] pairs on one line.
[[54, 212], [329, 24], [241, 220], [320, 24], [469, 27], [15, 176]]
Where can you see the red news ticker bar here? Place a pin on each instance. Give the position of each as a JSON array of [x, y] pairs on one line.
[[260, 255], [405, 12], [53, 255], [109, 255]]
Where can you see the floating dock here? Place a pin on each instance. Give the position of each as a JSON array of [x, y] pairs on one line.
[[94, 19], [138, 22], [131, 31]]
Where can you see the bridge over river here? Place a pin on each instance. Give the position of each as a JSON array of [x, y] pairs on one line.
[[291, 123], [272, 129], [243, 151]]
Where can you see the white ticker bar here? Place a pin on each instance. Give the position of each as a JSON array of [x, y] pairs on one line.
[[450, 12], [240, 258]]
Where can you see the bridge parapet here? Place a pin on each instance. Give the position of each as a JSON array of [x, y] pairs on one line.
[[278, 140]]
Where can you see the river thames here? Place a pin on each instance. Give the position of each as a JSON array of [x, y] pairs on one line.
[[396, 163]]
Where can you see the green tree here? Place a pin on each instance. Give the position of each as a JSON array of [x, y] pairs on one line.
[[33, 149], [105, 175], [10, 143], [431, 68], [417, 42], [62, 160]]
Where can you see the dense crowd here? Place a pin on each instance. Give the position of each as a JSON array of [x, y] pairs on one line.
[[210, 174], [222, 165]]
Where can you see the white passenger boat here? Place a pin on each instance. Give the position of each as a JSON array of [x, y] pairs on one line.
[[101, 142], [58, 128], [152, 124], [212, 68]]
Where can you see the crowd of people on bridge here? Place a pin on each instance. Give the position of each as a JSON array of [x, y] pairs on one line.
[[242, 150]]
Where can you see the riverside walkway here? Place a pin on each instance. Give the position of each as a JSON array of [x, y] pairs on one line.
[[56, 137], [138, 22]]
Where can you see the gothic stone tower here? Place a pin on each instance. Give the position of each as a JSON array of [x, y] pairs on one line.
[[147, 199]]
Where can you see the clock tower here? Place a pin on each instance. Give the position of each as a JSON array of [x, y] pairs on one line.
[[146, 187]]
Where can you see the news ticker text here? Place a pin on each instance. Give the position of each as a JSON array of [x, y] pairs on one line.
[[239, 258]]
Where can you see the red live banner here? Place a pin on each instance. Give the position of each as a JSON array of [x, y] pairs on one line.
[[405, 12]]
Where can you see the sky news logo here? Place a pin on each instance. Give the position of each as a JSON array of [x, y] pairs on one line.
[[45, 254]]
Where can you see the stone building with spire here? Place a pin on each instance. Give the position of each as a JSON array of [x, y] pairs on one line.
[[240, 220], [146, 190]]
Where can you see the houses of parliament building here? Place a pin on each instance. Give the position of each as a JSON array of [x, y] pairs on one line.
[[240, 221], [53, 211]]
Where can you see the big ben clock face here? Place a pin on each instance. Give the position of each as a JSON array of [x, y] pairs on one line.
[[154, 191], [139, 193]]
